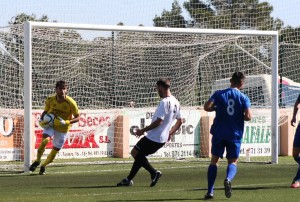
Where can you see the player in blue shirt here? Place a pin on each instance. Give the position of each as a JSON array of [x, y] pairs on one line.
[[296, 144], [232, 108]]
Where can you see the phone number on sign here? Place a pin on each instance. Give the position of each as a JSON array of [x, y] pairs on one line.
[[256, 150], [183, 153]]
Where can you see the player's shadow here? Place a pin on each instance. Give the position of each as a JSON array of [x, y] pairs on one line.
[[93, 187], [10, 173], [245, 188], [169, 199], [84, 187]]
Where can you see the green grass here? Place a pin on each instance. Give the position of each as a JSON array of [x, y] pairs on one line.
[[181, 181]]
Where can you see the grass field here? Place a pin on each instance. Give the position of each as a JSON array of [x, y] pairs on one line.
[[181, 181]]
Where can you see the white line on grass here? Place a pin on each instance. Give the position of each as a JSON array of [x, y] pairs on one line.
[[117, 170]]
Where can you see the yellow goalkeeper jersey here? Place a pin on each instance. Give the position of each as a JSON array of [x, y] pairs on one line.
[[65, 110]]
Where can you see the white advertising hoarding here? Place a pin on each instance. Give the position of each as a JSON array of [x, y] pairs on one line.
[[185, 143]]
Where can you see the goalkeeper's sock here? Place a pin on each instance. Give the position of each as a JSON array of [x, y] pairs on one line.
[[41, 149], [134, 169], [211, 177], [231, 171], [50, 157]]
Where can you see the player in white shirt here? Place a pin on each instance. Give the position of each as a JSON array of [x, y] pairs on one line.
[[158, 133]]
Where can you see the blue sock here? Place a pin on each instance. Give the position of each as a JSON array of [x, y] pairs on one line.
[[297, 159], [211, 177], [231, 171], [297, 177]]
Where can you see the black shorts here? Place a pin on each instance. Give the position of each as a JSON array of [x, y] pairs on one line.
[[147, 146]]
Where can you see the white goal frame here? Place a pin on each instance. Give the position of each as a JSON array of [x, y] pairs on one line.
[[28, 26]]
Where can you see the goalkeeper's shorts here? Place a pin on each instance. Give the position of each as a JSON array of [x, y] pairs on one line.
[[58, 138]]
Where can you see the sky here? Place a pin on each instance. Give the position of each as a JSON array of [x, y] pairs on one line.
[[111, 12]]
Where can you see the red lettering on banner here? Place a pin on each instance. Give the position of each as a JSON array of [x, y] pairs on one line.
[[90, 121], [75, 141], [81, 142], [104, 139]]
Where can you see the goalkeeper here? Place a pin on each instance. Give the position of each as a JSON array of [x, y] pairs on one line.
[[66, 112]]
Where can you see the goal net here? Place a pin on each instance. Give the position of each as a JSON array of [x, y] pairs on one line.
[[111, 72]]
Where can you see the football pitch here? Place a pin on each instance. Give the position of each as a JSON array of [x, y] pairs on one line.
[[181, 181]]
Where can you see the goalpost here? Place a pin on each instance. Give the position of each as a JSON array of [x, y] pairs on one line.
[[109, 67]]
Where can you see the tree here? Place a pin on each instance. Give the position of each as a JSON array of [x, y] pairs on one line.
[[23, 17], [14, 57], [45, 43], [232, 14], [171, 18], [222, 14]]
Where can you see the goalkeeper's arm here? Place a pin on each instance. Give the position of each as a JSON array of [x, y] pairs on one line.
[[42, 115], [42, 123], [61, 122], [75, 119]]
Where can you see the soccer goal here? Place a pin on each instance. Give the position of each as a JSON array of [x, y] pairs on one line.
[[112, 70]]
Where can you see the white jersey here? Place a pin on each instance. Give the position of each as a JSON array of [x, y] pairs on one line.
[[168, 110]]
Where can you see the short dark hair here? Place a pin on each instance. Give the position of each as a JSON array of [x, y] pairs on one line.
[[61, 83], [164, 82], [238, 77]]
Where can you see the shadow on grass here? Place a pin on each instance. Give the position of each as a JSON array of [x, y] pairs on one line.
[[169, 199], [246, 188], [3, 173], [83, 187]]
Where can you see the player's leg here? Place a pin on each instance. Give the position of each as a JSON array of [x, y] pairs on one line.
[[47, 133], [143, 148], [135, 166], [217, 151], [58, 142], [296, 180], [233, 152], [142, 161], [296, 152], [211, 176], [149, 147]]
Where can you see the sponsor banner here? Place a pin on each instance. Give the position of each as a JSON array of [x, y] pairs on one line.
[[11, 137], [185, 143], [9, 154], [257, 136], [92, 136]]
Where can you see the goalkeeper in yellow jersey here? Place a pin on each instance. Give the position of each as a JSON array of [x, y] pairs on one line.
[[66, 112]]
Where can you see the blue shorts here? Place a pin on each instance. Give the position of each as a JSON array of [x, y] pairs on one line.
[[232, 147], [297, 137]]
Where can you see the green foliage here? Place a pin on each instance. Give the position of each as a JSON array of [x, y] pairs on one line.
[[171, 18], [23, 17], [220, 14]]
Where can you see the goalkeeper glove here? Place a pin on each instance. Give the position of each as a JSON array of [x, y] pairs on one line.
[[61, 122], [43, 123]]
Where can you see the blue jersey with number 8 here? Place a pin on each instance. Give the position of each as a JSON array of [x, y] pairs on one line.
[[230, 104]]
